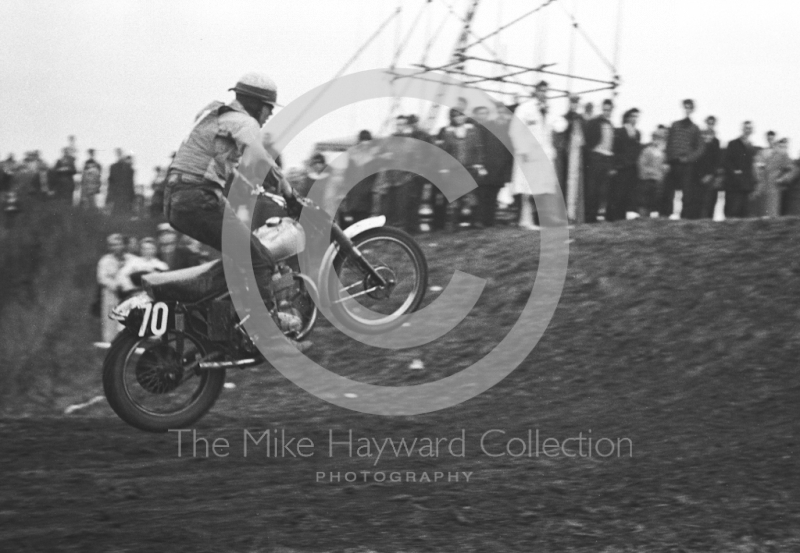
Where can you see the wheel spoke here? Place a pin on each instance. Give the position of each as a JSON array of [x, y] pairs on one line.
[[354, 296]]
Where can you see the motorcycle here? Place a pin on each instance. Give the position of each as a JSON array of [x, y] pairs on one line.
[[167, 367]]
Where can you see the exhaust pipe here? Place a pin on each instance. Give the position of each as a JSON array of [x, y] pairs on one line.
[[239, 363]]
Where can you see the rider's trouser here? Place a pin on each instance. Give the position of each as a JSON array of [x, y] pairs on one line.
[[199, 209]]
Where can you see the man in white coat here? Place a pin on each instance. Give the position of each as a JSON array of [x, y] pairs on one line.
[[536, 158]]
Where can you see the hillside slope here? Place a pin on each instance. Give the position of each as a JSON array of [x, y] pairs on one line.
[[682, 337]]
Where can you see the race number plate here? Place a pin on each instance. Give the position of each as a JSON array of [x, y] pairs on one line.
[[155, 319]]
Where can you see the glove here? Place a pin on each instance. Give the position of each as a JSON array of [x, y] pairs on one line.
[[293, 205]]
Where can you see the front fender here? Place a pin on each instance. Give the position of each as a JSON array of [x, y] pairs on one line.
[[364, 224]]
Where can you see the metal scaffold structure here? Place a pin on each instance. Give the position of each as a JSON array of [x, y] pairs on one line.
[[475, 64], [497, 76]]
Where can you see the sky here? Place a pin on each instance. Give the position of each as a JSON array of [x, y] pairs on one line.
[[134, 73]]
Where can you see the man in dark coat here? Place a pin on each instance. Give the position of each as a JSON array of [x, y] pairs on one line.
[[415, 187], [599, 160], [684, 147], [498, 159], [63, 185], [709, 169], [30, 179], [739, 177], [120, 185], [462, 141], [7, 170], [625, 177], [398, 193], [157, 199]]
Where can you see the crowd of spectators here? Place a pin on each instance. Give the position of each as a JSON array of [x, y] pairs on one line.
[[605, 172], [71, 183]]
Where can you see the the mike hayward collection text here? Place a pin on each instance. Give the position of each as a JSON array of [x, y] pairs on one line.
[[495, 443]]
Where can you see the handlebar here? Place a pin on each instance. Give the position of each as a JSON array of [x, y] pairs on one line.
[[277, 198], [281, 200]]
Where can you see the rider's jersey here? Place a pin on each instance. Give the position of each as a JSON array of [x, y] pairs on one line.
[[215, 145]]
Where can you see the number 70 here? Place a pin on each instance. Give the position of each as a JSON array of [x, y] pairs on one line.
[[158, 321]]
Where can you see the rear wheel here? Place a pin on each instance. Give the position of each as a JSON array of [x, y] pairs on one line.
[[154, 384], [359, 301]]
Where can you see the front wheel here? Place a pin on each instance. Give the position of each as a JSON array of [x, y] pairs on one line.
[[359, 301], [153, 383]]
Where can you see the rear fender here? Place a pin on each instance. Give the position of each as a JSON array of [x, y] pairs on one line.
[[144, 318]]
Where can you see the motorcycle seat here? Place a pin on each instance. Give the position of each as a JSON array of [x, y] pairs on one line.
[[186, 285]]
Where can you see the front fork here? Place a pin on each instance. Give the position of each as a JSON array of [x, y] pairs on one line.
[[347, 246]]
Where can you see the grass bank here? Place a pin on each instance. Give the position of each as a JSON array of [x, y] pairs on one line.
[[48, 265]]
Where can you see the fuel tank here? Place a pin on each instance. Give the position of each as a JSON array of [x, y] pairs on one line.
[[283, 237]]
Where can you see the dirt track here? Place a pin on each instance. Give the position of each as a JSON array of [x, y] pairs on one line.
[[681, 337]]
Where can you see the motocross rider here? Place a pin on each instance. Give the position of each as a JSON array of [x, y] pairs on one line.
[[206, 163]]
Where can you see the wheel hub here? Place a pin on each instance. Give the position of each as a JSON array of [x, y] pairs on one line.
[[381, 292], [159, 370]]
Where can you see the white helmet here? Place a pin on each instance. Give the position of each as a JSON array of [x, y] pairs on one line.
[[257, 85]]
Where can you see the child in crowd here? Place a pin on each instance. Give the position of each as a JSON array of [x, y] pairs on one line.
[[652, 170]]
